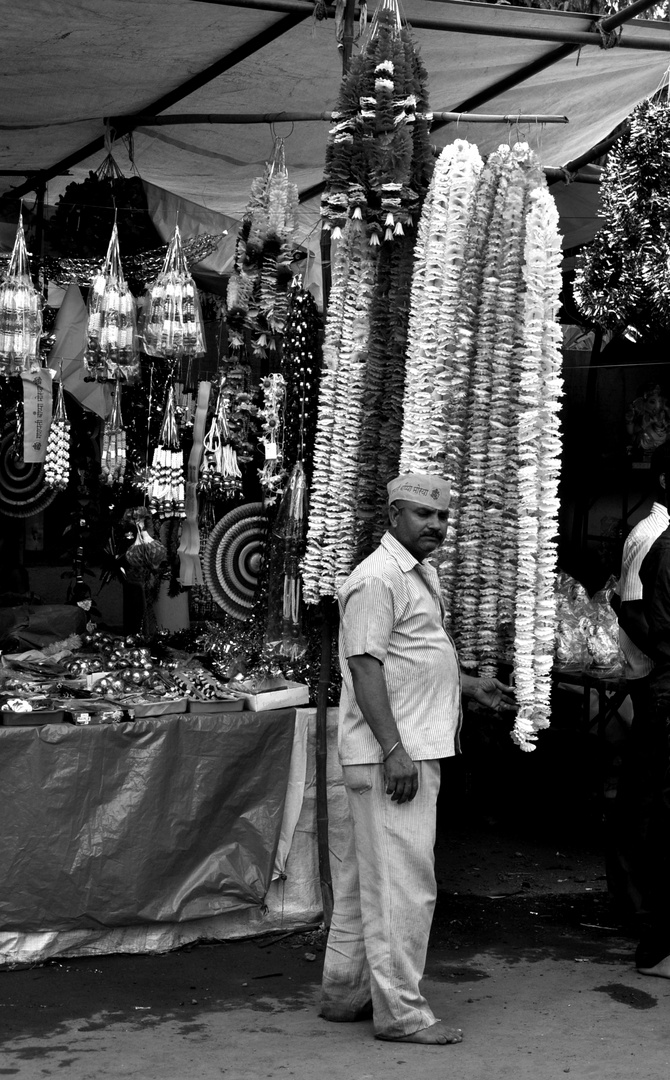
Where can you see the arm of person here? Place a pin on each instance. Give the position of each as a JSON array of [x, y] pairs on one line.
[[633, 622], [400, 772], [490, 692]]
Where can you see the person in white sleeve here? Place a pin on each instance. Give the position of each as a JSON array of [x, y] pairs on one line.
[[400, 712]]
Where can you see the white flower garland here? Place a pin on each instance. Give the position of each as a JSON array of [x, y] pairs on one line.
[[539, 460], [332, 532]]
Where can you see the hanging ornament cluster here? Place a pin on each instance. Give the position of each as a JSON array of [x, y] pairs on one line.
[[20, 312], [57, 460], [272, 473], [301, 366], [378, 159], [113, 457], [284, 636], [166, 483], [112, 347], [482, 394], [220, 475], [172, 326], [257, 294], [622, 281]]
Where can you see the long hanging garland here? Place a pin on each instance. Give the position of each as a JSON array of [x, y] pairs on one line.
[[57, 460], [622, 281], [483, 376], [20, 312]]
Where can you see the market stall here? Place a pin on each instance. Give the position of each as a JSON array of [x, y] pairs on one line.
[[222, 457]]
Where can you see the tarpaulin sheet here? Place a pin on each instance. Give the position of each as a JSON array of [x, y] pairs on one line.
[[164, 820]]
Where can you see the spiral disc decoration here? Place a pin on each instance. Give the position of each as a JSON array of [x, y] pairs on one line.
[[233, 557], [23, 492]]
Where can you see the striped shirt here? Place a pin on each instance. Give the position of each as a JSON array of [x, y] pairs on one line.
[[636, 663], [391, 608]]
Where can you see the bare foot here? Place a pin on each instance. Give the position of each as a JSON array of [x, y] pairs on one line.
[[662, 968], [437, 1034]]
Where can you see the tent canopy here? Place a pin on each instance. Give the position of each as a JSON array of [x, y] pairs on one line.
[[68, 64]]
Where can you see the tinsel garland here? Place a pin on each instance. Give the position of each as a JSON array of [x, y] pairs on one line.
[[272, 474], [622, 281], [378, 155], [257, 295], [331, 538]]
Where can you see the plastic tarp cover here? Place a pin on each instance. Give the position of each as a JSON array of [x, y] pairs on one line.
[[164, 820]]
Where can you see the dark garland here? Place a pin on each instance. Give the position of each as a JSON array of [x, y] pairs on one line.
[[621, 282], [378, 158], [381, 428], [301, 368]]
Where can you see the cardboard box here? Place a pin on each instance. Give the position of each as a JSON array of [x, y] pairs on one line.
[[291, 695]]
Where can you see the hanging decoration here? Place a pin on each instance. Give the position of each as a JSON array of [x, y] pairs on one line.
[[378, 159], [172, 326], [111, 351], [233, 557], [257, 296], [57, 461], [284, 631], [301, 367], [272, 473], [622, 280], [113, 457], [166, 483], [20, 312], [220, 474], [481, 408], [332, 534]]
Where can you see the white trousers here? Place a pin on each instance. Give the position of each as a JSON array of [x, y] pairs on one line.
[[384, 899]]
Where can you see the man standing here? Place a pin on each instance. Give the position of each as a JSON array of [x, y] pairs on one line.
[[631, 805], [400, 712]]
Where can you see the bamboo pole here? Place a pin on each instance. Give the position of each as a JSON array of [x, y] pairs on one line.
[[180, 119], [511, 29]]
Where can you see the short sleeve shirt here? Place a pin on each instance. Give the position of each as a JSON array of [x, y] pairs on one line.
[[638, 543], [391, 608]]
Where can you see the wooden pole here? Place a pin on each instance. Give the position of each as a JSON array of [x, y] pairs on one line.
[[180, 119]]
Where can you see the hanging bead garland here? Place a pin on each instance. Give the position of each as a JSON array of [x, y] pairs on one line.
[[113, 458], [273, 473], [166, 484], [111, 351], [57, 461], [172, 326], [20, 312]]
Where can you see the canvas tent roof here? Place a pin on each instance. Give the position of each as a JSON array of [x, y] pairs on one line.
[[68, 64]]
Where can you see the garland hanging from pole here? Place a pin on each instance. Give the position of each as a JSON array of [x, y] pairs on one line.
[[622, 281], [378, 158]]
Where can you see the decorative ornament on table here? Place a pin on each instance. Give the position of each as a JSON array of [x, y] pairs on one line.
[[171, 326], [166, 484], [112, 346], [378, 158], [257, 296], [23, 489], [272, 474], [233, 558], [20, 312], [622, 281], [113, 458], [57, 461]]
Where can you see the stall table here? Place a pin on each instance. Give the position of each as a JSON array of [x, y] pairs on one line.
[[140, 837]]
